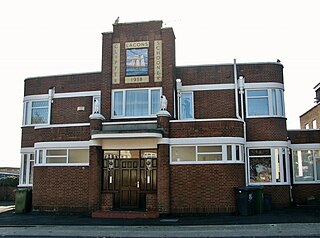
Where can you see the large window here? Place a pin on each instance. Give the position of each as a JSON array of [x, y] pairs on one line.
[[62, 156], [306, 166], [26, 172], [265, 102], [36, 112], [186, 105], [206, 154], [268, 165], [136, 102]]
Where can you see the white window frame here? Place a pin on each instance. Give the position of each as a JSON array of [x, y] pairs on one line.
[[316, 179], [26, 170], [192, 105], [27, 112], [43, 152], [280, 106], [223, 152], [124, 102], [272, 156]]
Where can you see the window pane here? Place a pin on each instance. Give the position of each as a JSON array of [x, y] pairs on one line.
[[26, 111], [148, 153], [56, 152], [130, 154], [39, 116], [52, 160], [187, 153], [257, 93], [260, 170], [303, 165], [118, 104], [238, 153], [78, 156], [316, 155], [209, 157], [281, 103], [137, 103], [258, 106], [259, 152], [24, 169], [229, 152], [274, 102], [40, 154], [186, 106], [111, 154], [277, 164], [155, 101], [203, 149], [31, 163]]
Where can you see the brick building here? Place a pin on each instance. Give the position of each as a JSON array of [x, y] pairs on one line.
[[146, 134], [311, 118]]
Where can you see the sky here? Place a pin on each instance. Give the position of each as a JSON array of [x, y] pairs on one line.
[[41, 37]]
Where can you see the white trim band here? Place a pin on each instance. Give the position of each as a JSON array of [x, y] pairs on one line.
[[125, 135], [62, 144]]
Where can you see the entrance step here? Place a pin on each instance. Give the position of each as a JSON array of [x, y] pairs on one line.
[[125, 214]]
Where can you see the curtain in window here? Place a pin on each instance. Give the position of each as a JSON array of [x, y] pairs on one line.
[[118, 104], [137, 103]]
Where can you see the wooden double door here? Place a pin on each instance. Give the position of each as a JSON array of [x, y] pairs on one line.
[[130, 175]]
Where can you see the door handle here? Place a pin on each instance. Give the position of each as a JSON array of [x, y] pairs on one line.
[[138, 184]]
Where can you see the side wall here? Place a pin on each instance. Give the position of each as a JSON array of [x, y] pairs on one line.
[[61, 189]]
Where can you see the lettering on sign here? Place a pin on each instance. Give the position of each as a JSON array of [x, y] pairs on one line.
[[137, 44], [158, 60], [116, 63], [137, 79]]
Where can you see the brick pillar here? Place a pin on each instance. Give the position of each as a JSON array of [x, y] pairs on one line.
[[95, 177], [163, 168], [95, 165]]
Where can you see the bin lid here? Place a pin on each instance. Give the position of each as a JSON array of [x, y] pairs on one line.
[[256, 187], [245, 188]]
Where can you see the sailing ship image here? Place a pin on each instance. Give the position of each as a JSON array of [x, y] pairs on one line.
[[137, 62]]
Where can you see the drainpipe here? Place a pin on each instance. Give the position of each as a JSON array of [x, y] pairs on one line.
[[239, 84]]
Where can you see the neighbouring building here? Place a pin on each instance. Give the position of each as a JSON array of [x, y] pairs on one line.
[[147, 134], [311, 118]]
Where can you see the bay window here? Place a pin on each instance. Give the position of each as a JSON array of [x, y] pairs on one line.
[[136, 102], [265, 102]]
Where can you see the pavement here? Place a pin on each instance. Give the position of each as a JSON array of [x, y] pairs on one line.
[[298, 221]]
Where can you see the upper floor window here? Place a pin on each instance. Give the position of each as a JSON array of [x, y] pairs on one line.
[[268, 165], [36, 112], [265, 102], [136, 102], [186, 105]]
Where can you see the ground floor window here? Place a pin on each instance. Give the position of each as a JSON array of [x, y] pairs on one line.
[[268, 165], [73, 156], [306, 165], [214, 153], [26, 172]]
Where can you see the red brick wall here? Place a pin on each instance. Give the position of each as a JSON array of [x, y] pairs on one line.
[[206, 129], [309, 116], [205, 188], [64, 110], [63, 83], [304, 137], [301, 192], [61, 188], [214, 104], [31, 136], [261, 72], [280, 195], [266, 129]]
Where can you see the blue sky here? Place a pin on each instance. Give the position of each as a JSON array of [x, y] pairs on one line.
[[41, 38]]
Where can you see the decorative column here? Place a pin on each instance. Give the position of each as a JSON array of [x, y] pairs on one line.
[[163, 191]]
